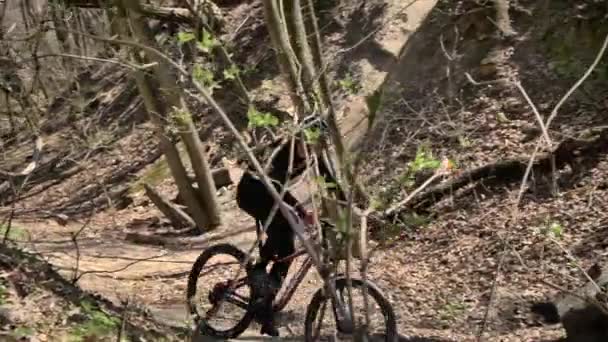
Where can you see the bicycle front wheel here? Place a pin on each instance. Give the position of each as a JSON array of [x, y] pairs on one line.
[[378, 325], [219, 303]]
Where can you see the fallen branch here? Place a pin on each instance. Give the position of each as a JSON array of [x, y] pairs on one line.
[[178, 218], [38, 145], [174, 14], [510, 171]]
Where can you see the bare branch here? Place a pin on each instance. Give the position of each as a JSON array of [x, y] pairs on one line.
[[578, 83]]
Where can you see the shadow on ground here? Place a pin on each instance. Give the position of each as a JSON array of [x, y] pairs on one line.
[[252, 338]]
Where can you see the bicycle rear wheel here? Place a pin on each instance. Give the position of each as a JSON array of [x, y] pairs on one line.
[[219, 303], [321, 321]]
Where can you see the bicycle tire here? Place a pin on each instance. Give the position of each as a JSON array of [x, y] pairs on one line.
[[193, 278], [341, 283]]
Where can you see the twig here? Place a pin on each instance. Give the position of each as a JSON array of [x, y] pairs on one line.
[[576, 263], [587, 299], [424, 185], [123, 320], [87, 58], [74, 237], [238, 28], [578, 83], [9, 224], [536, 113], [492, 294], [120, 269]]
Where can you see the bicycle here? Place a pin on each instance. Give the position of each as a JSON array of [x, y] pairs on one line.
[[231, 292]]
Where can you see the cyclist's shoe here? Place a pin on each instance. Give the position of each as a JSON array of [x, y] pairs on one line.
[[268, 328]]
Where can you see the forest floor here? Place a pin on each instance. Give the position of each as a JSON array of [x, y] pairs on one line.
[[473, 263]]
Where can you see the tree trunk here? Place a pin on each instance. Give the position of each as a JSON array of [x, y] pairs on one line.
[[285, 53], [178, 171], [156, 112], [221, 178], [187, 131], [302, 48], [58, 15], [503, 20]]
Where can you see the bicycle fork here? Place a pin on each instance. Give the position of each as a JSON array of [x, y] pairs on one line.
[[344, 318]]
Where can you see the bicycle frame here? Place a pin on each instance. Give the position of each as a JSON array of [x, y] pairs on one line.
[[280, 303], [291, 287]]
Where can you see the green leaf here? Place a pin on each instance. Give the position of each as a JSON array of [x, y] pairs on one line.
[[424, 160], [207, 43], [502, 117], [556, 229], [312, 135], [231, 73], [349, 85], [325, 184], [260, 119], [184, 37], [204, 77], [22, 332]]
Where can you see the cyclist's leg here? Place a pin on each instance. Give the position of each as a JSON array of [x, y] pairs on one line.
[[254, 199], [280, 244]]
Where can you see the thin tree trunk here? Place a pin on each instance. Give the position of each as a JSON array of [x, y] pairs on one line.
[[178, 171], [187, 131], [58, 15], [155, 110], [503, 19], [302, 48], [279, 36]]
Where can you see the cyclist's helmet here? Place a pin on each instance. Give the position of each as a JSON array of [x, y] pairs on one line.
[[316, 122]]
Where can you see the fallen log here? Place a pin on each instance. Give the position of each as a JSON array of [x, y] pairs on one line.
[[211, 14], [568, 152], [178, 218], [38, 145]]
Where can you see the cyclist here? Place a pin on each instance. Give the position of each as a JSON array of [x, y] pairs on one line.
[[253, 197]]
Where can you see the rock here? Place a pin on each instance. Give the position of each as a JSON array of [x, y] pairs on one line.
[[582, 320]]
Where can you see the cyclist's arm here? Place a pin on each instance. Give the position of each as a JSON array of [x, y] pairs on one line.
[[292, 201]]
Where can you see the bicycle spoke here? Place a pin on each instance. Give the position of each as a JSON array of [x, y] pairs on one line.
[[221, 300], [238, 300], [324, 329]]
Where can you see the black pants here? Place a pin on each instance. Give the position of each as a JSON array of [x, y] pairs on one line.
[[253, 198]]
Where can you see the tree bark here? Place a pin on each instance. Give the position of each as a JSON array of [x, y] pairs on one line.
[[156, 111], [187, 131], [178, 171], [284, 51], [175, 14], [503, 20], [302, 48]]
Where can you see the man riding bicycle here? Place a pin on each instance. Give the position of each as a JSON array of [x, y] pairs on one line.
[[253, 198]]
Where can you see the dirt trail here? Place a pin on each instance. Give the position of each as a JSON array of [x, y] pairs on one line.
[[156, 275]]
